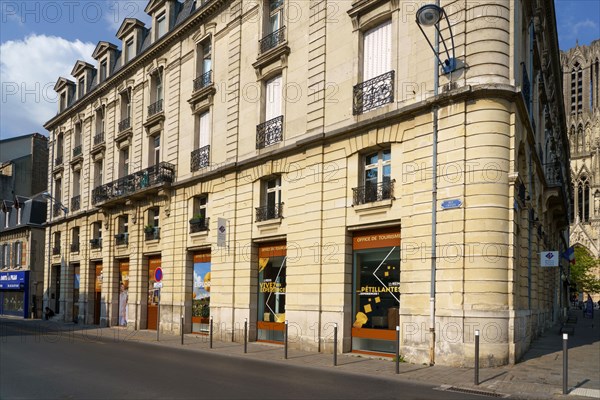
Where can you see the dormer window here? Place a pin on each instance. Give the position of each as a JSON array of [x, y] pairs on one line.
[[81, 88], [63, 101], [161, 25], [129, 50], [103, 71]]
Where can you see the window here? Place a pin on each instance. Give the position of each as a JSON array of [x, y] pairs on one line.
[[96, 241], [156, 93], [75, 239], [98, 173], [124, 162], [152, 229], [161, 25], [122, 236], [76, 199], [154, 150], [103, 71], [100, 120], [125, 110], [271, 205], [81, 88], [377, 170], [271, 131], [199, 222], [272, 284], [203, 64], [77, 140], [59, 149], [583, 199], [6, 218], [63, 101], [56, 248], [17, 254], [129, 50], [5, 256], [200, 156], [275, 15], [377, 86], [58, 190], [19, 214], [204, 129]]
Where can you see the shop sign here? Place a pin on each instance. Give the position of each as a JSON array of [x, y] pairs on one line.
[[377, 239], [13, 280], [222, 232]]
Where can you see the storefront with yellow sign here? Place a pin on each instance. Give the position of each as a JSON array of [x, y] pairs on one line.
[[376, 290], [271, 291]]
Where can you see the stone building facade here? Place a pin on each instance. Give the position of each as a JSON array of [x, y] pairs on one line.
[[273, 162], [581, 91]]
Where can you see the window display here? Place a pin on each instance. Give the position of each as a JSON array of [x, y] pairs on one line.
[[271, 292]]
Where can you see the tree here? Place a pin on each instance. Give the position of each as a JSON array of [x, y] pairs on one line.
[[584, 273]]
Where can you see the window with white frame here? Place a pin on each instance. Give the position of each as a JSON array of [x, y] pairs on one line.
[[377, 169], [271, 205], [103, 70], [17, 254], [129, 50], [271, 130], [19, 214], [203, 64], [161, 25], [377, 51], [204, 129], [100, 120], [98, 172], [275, 15], [81, 88], [5, 256], [123, 162], [199, 208], [6, 217], [154, 156]]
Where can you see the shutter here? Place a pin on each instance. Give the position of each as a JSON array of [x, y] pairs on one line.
[[377, 51], [273, 98], [204, 130]]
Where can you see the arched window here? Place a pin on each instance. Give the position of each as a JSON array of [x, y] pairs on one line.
[[583, 199], [576, 88], [572, 198], [580, 140]]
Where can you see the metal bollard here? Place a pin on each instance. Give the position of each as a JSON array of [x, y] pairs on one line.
[[476, 357], [335, 345], [210, 334], [565, 363], [158, 323], [397, 349], [182, 330], [285, 341], [245, 335]]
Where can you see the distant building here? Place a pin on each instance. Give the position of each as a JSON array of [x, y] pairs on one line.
[[581, 90], [23, 166]]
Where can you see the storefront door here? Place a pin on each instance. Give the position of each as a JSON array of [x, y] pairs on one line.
[[55, 293], [153, 293], [76, 281], [97, 293], [376, 299], [201, 293], [123, 292], [271, 291]]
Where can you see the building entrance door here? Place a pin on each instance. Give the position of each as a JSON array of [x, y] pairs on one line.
[[153, 294]]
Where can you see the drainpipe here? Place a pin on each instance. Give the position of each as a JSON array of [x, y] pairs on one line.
[[529, 225], [436, 78]]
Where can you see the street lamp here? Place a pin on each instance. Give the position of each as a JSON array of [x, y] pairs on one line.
[[431, 15], [48, 196]]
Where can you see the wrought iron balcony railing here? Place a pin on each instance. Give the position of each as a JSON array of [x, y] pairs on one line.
[[155, 108], [160, 174], [203, 81], [373, 192], [56, 250], [373, 93], [96, 243], [58, 161], [56, 209], [77, 151], [125, 124], [265, 213], [526, 88], [74, 247], [99, 138], [269, 132], [272, 40], [152, 234], [121, 239], [199, 224], [75, 203], [200, 158]]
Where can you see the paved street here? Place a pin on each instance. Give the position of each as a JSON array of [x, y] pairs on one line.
[[39, 361]]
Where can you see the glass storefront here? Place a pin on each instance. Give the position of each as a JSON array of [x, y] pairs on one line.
[[271, 291], [14, 293], [123, 292], [76, 286], [153, 293], [376, 299], [13, 303], [201, 293]]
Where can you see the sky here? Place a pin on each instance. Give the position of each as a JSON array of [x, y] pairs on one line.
[[41, 41]]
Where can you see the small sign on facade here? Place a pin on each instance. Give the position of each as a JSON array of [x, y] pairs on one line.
[[454, 203], [222, 232], [549, 259]]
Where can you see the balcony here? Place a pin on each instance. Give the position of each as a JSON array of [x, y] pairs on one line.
[[199, 225], [203, 81], [126, 124], [76, 151], [371, 193], [272, 40], [200, 158], [56, 250], [75, 203], [96, 243], [373, 93], [58, 161], [138, 182], [268, 212], [155, 108], [74, 247], [121, 239], [269, 132], [99, 138], [152, 232], [553, 172]]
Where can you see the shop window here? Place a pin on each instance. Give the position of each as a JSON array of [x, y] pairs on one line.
[[271, 291], [376, 299], [201, 293], [123, 292]]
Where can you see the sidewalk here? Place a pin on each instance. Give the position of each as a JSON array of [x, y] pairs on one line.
[[537, 376]]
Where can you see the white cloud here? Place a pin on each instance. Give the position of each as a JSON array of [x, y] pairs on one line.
[[583, 25], [29, 68], [118, 10]]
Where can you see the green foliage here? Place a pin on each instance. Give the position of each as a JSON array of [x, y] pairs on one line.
[[584, 273], [400, 357]]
